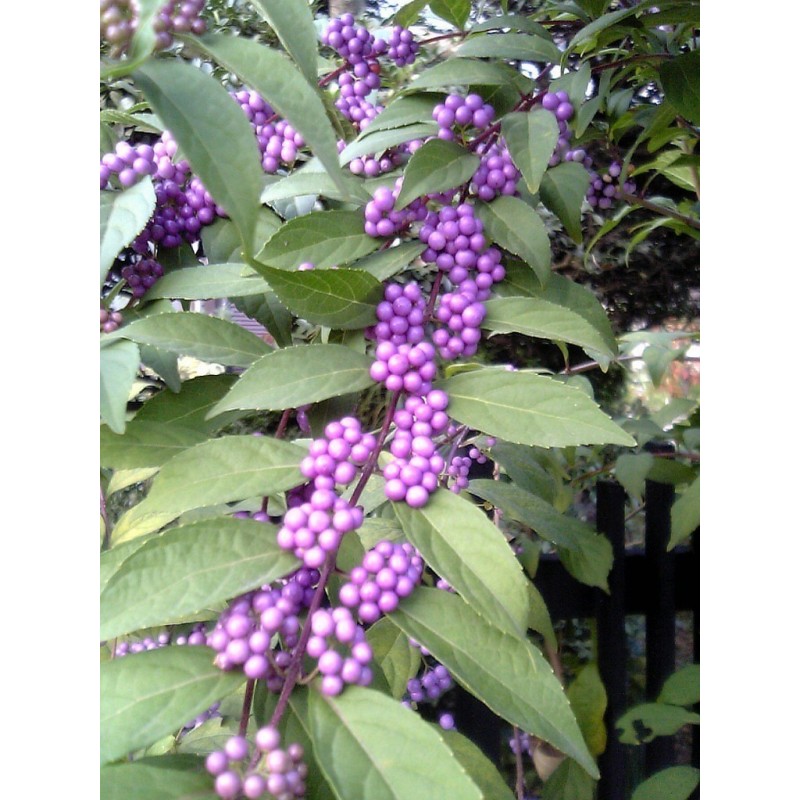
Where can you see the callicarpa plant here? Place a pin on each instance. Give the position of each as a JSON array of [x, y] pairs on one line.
[[339, 525]]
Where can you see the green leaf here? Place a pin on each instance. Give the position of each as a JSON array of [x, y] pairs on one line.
[[538, 615], [563, 191], [588, 32], [407, 14], [189, 568], [111, 560], [163, 363], [546, 320], [221, 470], [586, 554], [685, 514], [527, 408], [123, 216], [209, 736], [297, 376], [461, 545], [270, 73], [513, 46], [189, 407], [296, 728], [574, 83], [642, 723], [482, 771], [404, 110], [147, 123], [631, 470], [513, 225], [145, 444], [676, 410], [170, 777], [370, 747], [142, 43], [570, 780], [208, 283], [119, 364], [199, 335], [222, 243], [144, 696], [672, 783], [322, 238], [438, 165], [522, 465], [375, 142], [293, 22], [680, 78], [455, 12], [387, 263], [682, 688], [514, 22], [268, 310], [212, 132], [506, 672], [313, 182], [398, 659], [588, 699], [462, 72], [337, 298], [531, 138]]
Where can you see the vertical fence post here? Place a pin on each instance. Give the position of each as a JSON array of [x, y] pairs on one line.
[[612, 651], [660, 614]]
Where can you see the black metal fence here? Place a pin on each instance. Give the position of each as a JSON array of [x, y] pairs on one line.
[[648, 581]]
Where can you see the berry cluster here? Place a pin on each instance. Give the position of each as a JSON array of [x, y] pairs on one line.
[[460, 466], [456, 244], [408, 368], [400, 314], [314, 527], [559, 105], [388, 573], [196, 636], [270, 768], [178, 16], [109, 320], [605, 189], [381, 218], [119, 20], [433, 683], [278, 142], [413, 473], [402, 49], [141, 275], [496, 173], [360, 50], [339, 645], [183, 206], [244, 632], [129, 163], [458, 113]]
